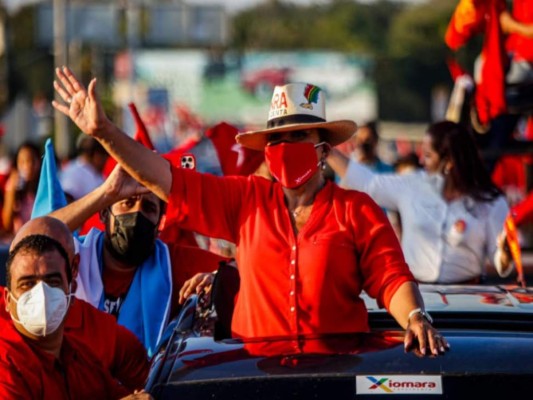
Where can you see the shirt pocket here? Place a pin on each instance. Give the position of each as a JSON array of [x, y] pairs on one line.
[[330, 249], [337, 239]]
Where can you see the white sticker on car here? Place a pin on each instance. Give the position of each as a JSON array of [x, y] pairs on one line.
[[398, 384]]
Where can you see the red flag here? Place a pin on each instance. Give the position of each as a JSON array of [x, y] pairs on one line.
[[490, 92], [510, 172], [514, 246], [470, 18], [174, 155], [141, 133], [456, 70], [466, 21], [234, 158]]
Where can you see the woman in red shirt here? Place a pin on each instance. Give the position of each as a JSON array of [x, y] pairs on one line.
[[306, 248]]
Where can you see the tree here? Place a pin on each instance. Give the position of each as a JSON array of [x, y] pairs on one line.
[[415, 61], [405, 40]]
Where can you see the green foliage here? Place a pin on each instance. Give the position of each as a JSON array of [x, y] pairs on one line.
[[341, 25], [418, 32], [407, 42]]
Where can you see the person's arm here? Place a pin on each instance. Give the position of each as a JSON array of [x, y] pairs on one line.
[[8, 209], [119, 185], [387, 278], [495, 245], [85, 110], [338, 161], [383, 188], [407, 308], [497, 250], [510, 25]]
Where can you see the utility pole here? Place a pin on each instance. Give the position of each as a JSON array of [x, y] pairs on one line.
[[62, 134], [133, 18]]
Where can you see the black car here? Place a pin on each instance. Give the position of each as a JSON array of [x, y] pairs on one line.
[[489, 328]]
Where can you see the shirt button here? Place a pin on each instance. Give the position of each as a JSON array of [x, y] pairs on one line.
[[292, 293], [292, 309], [294, 247], [293, 262], [292, 276]]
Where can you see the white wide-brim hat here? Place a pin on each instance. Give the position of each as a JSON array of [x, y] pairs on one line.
[[298, 106]]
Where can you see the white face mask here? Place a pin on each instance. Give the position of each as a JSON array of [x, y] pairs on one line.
[[42, 309]]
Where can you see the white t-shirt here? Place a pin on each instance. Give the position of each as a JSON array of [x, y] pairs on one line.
[[442, 242], [79, 178]]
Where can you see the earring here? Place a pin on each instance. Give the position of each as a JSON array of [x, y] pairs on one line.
[[323, 165]]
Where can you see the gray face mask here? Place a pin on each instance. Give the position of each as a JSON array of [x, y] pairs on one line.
[[42, 309]]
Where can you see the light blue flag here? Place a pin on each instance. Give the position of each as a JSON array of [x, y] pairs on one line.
[[50, 195]]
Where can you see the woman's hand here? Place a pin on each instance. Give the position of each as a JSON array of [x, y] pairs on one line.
[[420, 335], [82, 105], [501, 242]]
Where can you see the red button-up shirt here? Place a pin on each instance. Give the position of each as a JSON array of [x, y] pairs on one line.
[[27, 372], [117, 348], [291, 284]]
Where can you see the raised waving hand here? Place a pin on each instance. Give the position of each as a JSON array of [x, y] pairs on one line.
[[82, 105], [84, 108]]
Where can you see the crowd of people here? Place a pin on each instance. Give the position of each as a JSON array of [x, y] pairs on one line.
[[322, 198], [124, 278]]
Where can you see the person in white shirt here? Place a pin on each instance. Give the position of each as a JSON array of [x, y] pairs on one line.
[[84, 174], [452, 213]]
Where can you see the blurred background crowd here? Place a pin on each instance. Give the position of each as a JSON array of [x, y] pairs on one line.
[[188, 65]]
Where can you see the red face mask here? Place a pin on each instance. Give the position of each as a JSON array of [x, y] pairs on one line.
[[292, 164]]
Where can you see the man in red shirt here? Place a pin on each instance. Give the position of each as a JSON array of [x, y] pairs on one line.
[[306, 248], [37, 358], [115, 346], [126, 270]]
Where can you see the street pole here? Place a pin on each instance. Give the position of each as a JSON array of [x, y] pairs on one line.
[[132, 40], [62, 135]]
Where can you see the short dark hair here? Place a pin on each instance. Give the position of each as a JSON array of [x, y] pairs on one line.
[[39, 244]]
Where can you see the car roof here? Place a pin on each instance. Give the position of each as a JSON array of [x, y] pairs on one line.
[[489, 327], [470, 298]]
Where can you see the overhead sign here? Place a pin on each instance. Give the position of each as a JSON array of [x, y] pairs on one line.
[[163, 26], [95, 23], [170, 25]]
